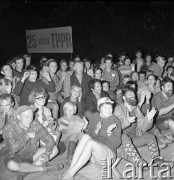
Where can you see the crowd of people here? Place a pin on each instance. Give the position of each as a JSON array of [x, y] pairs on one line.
[[90, 110]]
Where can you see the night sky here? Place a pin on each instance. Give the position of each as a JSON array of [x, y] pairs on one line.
[[98, 27]]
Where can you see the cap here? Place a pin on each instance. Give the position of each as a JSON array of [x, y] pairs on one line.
[[24, 108], [104, 100]]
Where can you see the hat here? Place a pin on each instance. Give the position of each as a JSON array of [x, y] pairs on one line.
[[104, 100], [24, 108]]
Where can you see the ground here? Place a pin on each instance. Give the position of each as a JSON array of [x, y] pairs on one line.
[[91, 172]]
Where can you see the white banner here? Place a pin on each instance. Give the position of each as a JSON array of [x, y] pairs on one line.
[[52, 40]]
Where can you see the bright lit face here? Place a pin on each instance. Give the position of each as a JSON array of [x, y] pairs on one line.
[[87, 65], [33, 76], [26, 118], [151, 80], [97, 88], [106, 110], [135, 76], [6, 105], [8, 88], [40, 100], [170, 71], [63, 66], [138, 55], [69, 111], [108, 64], [7, 70], [98, 74], [105, 87], [53, 67], [142, 77], [19, 64], [127, 62], [148, 59], [130, 98], [28, 60], [75, 92], [168, 89], [78, 68]]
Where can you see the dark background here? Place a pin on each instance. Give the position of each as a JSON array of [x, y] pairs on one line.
[[98, 27]]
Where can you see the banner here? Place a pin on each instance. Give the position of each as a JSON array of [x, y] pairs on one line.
[[51, 40]]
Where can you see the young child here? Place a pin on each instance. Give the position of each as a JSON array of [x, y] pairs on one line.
[[71, 127], [7, 112]]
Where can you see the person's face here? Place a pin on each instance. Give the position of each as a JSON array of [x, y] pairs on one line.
[[98, 74], [63, 66], [79, 68], [127, 62], [40, 100], [148, 59], [168, 89], [125, 80], [26, 118], [142, 77], [28, 60], [151, 80], [106, 110], [75, 92], [170, 60], [108, 64], [105, 87], [130, 98], [53, 67], [7, 70], [122, 57], [170, 71], [8, 88], [87, 65], [69, 111], [71, 64], [19, 64], [138, 55], [161, 63], [97, 88], [33, 76], [6, 105], [135, 77]]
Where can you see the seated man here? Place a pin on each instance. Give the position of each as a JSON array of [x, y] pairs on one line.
[[21, 144]]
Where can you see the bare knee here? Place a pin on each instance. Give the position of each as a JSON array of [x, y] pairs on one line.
[[13, 166]]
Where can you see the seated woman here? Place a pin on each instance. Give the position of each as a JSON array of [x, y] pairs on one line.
[[72, 127], [94, 95], [38, 98], [106, 134], [75, 97]]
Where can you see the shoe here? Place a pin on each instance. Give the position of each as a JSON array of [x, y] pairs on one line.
[[159, 161]]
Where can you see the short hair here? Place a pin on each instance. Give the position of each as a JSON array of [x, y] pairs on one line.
[[125, 89], [155, 77], [134, 72], [75, 86], [122, 54], [166, 80], [86, 60], [4, 82], [138, 51], [17, 58], [130, 83], [36, 92], [96, 68], [169, 67], [6, 96], [78, 62], [108, 58], [68, 104], [104, 81], [142, 72], [2, 67], [31, 68], [50, 61], [63, 61], [92, 83], [126, 76]]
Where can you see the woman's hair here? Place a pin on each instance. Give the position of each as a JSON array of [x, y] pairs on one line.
[[69, 104], [36, 92], [92, 83], [96, 68]]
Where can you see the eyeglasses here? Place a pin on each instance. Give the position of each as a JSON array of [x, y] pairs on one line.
[[41, 98]]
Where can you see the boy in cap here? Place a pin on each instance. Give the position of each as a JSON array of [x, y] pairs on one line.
[[21, 137]]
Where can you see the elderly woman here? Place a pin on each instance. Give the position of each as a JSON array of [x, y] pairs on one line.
[[75, 97], [94, 95]]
